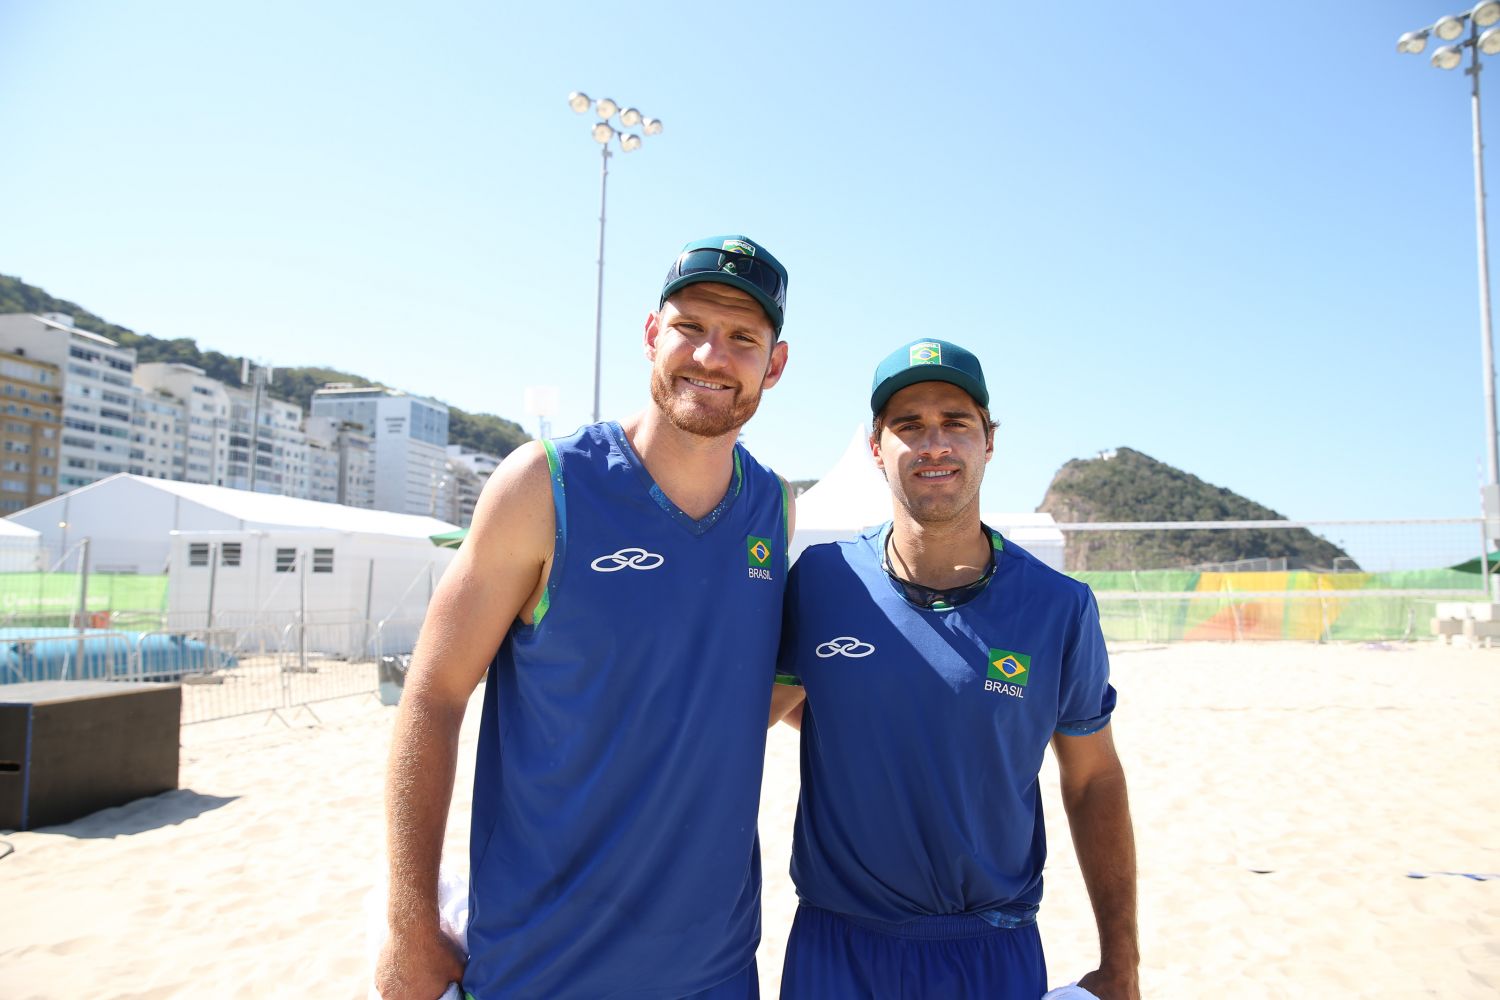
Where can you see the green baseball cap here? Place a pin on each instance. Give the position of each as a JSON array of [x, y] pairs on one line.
[[737, 261], [928, 361]]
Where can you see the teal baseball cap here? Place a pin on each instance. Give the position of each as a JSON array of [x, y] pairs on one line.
[[928, 361], [736, 261]]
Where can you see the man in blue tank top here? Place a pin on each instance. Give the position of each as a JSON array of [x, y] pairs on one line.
[[622, 590], [939, 660]]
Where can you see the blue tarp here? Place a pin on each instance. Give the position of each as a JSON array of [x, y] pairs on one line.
[[41, 654]]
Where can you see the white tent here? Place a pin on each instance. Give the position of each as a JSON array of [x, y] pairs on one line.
[[129, 519], [853, 496], [353, 589], [20, 548]]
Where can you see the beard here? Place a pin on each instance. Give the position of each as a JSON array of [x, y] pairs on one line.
[[697, 416], [935, 510]]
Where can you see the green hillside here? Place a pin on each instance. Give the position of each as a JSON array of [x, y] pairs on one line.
[[1131, 486], [476, 431]]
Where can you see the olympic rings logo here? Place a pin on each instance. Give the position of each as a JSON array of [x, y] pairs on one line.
[[845, 645], [631, 558]]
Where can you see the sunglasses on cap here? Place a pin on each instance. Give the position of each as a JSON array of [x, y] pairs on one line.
[[757, 272]]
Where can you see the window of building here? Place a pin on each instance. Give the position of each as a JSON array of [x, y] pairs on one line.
[[229, 554], [286, 560], [197, 553], [322, 560]]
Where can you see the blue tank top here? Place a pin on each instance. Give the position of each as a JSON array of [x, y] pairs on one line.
[[925, 729], [613, 848]]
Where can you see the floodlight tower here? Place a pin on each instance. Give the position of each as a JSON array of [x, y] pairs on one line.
[[1450, 29], [604, 132]]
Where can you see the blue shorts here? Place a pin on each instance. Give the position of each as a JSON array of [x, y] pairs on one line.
[[830, 956], [743, 985]]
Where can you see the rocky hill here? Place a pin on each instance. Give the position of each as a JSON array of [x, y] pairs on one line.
[[1126, 485], [475, 431]]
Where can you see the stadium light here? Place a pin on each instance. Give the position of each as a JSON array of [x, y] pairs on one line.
[[1450, 28], [603, 131], [1412, 42]]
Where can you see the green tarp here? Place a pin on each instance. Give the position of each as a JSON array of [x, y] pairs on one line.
[[449, 539]]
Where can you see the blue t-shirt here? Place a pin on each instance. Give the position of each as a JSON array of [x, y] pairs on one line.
[[924, 731], [613, 848]]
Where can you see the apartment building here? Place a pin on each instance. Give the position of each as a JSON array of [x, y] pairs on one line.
[[267, 446], [205, 428], [340, 462], [468, 471], [158, 435], [411, 440], [30, 421], [96, 389]]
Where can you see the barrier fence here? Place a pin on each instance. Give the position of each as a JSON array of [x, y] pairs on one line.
[[225, 671], [1309, 580], [1302, 580]]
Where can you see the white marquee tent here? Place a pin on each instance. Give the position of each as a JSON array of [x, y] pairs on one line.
[[236, 558], [20, 548], [129, 520]]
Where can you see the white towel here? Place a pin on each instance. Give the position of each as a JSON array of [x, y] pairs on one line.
[[1072, 991], [453, 913]]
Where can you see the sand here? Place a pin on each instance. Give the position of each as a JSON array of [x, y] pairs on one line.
[[1283, 794]]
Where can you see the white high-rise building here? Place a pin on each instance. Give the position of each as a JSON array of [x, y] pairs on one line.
[[158, 436], [206, 404], [97, 394], [340, 463], [468, 471], [411, 441], [267, 446]]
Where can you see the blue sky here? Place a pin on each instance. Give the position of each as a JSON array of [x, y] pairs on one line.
[[1238, 239]]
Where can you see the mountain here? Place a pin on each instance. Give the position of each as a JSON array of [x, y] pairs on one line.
[[476, 431], [1126, 485]]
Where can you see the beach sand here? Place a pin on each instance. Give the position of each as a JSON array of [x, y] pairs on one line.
[[1283, 794]]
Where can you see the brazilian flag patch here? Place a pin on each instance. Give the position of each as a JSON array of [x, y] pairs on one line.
[[925, 353], [1012, 668], [759, 551]]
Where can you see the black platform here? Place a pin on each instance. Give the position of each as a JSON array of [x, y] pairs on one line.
[[69, 748]]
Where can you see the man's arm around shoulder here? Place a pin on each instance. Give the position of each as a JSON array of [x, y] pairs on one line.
[[496, 575], [1093, 793]]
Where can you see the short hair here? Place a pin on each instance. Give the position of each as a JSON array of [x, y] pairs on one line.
[[987, 421]]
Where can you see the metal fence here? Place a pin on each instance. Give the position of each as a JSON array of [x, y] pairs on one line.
[[225, 671], [1261, 580]]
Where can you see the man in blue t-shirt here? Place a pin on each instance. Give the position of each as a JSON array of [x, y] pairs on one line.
[[939, 660], [610, 855]]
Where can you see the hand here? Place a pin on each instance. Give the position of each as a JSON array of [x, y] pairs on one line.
[[418, 966], [1106, 985]]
